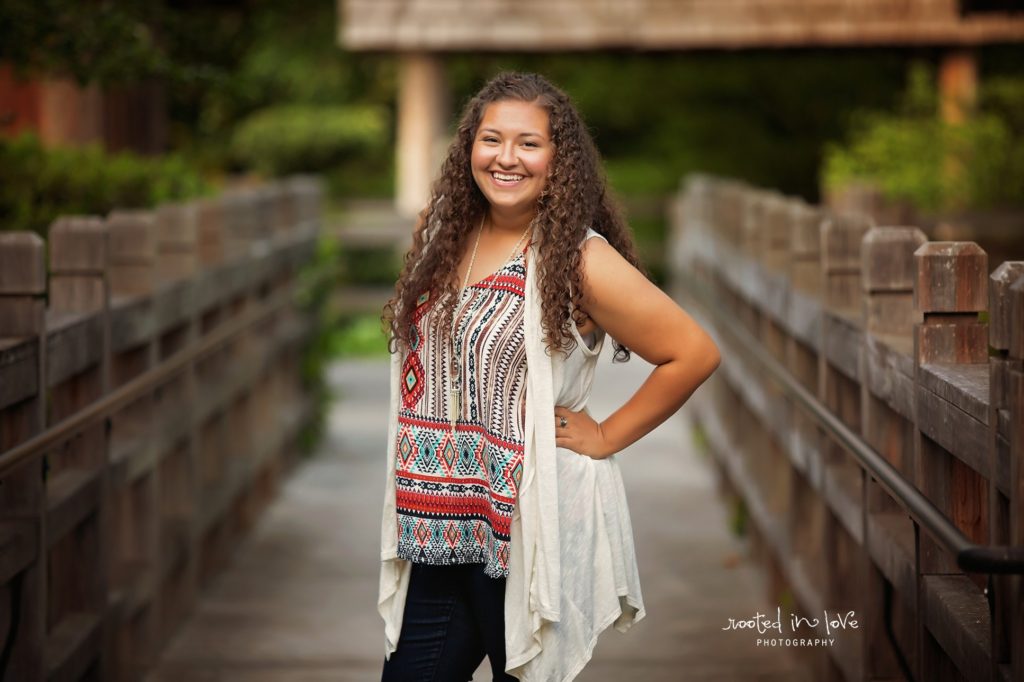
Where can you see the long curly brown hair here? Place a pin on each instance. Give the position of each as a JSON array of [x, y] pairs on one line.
[[575, 196]]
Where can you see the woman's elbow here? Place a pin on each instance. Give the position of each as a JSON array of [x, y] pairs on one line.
[[713, 357]]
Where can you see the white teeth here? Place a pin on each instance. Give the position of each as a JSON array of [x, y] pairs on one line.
[[508, 178]]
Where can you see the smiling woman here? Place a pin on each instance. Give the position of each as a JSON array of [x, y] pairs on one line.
[[506, 532]]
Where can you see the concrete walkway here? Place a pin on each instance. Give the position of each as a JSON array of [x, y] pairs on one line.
[[297, 603]]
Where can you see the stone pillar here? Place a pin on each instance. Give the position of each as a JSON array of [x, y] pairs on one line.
[[958, 85], [958, 95], [422, 129]]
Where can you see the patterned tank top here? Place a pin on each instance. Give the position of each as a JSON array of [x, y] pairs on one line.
[[455, 495]]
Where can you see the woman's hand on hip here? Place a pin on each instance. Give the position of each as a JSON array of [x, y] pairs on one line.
[[579, 432]]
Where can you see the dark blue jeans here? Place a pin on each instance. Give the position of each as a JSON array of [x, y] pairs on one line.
[[454, 616]]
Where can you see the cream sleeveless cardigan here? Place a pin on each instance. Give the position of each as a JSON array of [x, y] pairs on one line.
[[573, 566]]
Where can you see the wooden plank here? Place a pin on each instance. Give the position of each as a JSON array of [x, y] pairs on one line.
[[966, 386], [18, 548], [841, 492], [71, 495], [74, 344], [803, 318], [890, 542], [72, 646], [841, 343], [889, 373], [131, 322], [956, 613], [19, 374], [960, 434], [174, 303]]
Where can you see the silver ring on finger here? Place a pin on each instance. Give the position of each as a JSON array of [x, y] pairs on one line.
[[563, 422]]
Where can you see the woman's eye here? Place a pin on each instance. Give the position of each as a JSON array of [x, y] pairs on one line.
[[490, 139]]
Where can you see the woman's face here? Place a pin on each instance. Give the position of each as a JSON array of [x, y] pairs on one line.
[[512, 153]]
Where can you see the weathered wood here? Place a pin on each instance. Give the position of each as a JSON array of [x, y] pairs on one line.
[[910, 370], [841, 234], [965, 386], [133, 248], [952, 277], [956, 614], [887, 279], [464, 26], [999, 308], [177, 228], [22, 270], [125, 491], [841, 342]]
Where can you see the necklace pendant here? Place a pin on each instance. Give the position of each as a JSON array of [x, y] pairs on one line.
[[453, 405]]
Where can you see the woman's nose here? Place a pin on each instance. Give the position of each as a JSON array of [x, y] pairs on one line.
[[506, 155]]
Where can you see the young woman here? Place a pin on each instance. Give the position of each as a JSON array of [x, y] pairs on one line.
[[506, 532]]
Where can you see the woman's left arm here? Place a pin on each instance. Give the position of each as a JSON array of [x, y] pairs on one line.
[[646, 320]]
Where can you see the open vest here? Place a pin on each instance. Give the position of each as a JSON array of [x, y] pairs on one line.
[[572, 569]]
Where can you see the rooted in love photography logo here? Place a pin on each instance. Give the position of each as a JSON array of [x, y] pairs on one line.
[[796, 630]]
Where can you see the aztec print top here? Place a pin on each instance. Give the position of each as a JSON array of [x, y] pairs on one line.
[[455, 497]]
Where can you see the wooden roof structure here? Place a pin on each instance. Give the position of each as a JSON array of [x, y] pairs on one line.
[[555, 25]]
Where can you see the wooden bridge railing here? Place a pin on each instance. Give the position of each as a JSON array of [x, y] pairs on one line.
[[150, 399], [870, 413]]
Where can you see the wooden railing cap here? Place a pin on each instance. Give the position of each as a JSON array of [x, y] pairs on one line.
[[887, 258], [132, 236], [79, 243], [1016, 317], [841, 234], [999, 303], [952, 277], [22, 268]]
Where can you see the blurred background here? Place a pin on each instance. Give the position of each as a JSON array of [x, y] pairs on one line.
[[256, 167], [129, 103]]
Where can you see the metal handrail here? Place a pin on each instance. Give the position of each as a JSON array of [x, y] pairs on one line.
[[140, 385], [970, 557]]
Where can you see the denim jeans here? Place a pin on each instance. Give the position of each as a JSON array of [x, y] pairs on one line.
[[454, 616]]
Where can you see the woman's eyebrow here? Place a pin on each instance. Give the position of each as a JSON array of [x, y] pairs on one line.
[[528, 133]]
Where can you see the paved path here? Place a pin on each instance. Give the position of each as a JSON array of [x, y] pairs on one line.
[[297, 603]]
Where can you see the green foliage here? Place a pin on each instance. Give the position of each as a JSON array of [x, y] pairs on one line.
[[37, 185], [299, 138], [761, 116], [915, 157], [119, 41], [360, 336], [739, 516], [318, 278]]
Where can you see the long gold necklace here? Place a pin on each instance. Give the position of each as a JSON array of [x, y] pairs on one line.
[[455, 391]]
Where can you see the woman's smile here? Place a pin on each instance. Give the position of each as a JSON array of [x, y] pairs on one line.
[[507, 179]]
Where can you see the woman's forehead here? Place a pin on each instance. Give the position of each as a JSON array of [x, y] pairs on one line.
[[513, 117]]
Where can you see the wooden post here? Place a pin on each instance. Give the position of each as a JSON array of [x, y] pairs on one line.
[[887, 308], [176, 225], [422, 125], [23, 415], [889, 271], [133, 253], [78, 514], [1015, 410], [951, 289], [1005, 599], [211, 247]]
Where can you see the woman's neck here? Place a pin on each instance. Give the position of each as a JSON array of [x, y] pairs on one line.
[[515, 223]]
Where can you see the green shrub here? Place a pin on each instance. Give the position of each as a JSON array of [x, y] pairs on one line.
[[287, 139], [914, 157], [37, 184]]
